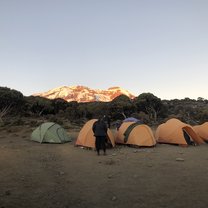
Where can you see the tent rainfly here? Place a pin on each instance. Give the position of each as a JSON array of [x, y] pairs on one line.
[[50, 132], [86, 137], [135, 134], [175, 131], [202, 131]]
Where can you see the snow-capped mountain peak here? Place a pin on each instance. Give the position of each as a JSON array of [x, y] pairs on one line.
[[84, 94]]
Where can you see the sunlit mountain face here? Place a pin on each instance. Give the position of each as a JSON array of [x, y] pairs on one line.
[[84, 94]]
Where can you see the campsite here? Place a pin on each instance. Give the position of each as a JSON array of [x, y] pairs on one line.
[[103, 104], [155, 158], [37, 175]]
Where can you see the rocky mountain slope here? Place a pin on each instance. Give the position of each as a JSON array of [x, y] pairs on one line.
[[84, 94]]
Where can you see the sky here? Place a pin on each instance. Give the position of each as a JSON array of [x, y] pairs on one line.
[[155, 46]]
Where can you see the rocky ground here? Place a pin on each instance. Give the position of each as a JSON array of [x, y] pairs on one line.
[[60, 175]]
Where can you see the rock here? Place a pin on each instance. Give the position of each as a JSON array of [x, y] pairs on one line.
[[61, 173], [179, 159], [110, 176], [7, 192], [114, 154], [114, 198]]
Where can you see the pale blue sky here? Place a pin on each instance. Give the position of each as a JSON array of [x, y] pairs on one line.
[[157, 46]]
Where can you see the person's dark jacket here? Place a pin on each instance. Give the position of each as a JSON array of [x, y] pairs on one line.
[[100, 128]]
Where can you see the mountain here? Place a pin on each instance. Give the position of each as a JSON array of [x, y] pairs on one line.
[[84, 94]]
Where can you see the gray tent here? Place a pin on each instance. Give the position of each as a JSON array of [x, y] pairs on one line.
[[50, 132]]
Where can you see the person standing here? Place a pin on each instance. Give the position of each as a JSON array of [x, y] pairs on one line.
[[100, 132]]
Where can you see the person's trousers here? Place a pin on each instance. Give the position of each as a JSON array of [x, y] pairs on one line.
[[100, 143]]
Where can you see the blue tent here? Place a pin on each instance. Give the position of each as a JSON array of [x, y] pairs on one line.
[[131, 119]]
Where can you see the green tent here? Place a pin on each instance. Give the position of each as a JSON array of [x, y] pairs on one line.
[[50, 133]]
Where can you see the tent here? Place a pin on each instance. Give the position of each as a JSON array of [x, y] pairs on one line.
[[86, 137], [202, 131], [135, 134], [50, 132], [131, 119], [175, 131]]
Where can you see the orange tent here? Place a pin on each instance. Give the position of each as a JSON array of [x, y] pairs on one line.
[[202, 131], [86, 137], [176, 132], [135, 134]]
